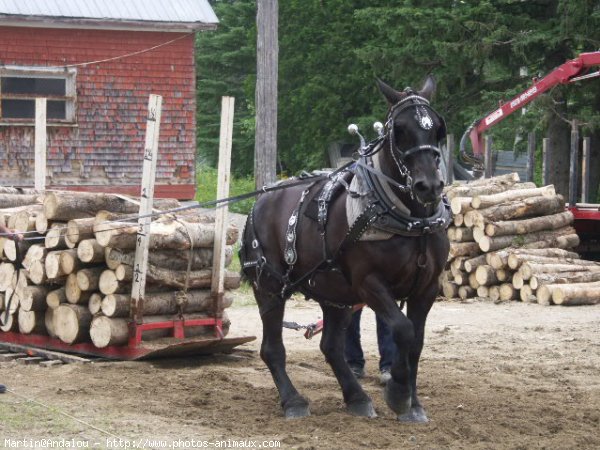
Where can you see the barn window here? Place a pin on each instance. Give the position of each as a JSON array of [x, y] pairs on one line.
[[20, 86]]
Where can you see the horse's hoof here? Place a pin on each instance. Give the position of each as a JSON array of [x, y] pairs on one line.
[[415, 415], [362, 409], [297, 412], [397, 400]]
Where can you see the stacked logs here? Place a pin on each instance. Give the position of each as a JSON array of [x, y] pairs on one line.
[[512, 241], [75, 279]]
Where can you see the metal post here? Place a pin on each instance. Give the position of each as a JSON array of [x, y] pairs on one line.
[[450, 148], [140, 265], [40, 144], [585, 170], [545, 161], [218, 275], [574, 168], [487, 158], [530, 155]]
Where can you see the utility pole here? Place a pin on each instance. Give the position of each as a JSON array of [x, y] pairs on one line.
[[267, 58]]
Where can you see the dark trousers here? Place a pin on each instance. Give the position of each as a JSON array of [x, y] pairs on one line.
[[354, 353]]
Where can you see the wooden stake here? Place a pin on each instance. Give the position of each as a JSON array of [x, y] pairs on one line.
[[218, 274], [40, 144], [138, 287]]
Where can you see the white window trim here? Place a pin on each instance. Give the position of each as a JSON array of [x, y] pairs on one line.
[[70, 76]]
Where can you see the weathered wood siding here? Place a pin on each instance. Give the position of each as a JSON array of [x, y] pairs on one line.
[[103, 151]]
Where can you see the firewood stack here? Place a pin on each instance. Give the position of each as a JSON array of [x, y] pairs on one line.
[[75, 280], [512, 241]]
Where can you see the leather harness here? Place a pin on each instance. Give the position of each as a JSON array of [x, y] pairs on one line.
[[380, 212]]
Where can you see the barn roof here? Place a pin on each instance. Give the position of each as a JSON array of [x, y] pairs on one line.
[[145, 15]]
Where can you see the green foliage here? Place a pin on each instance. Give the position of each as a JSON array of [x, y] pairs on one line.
[[225, 65], [206, 178], [332, 50]]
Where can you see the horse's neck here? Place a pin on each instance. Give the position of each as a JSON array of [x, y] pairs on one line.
[[402, 200]]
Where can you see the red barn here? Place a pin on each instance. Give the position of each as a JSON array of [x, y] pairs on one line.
[[96, 63]]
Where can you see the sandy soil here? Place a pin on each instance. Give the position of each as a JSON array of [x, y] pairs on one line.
[[512, 376]]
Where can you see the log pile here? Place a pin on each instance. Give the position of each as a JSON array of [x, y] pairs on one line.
[[514, 241], [75, 279]]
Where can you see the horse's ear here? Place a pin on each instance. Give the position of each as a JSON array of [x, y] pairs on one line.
[[391, 94], [428, 88]]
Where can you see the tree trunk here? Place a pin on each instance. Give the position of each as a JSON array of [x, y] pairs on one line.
[[14, 200], [527, 270], [90, 251], [494, 293], [89, 279], [551, 222], [72, 323], [526, 294], [163, 235], [485, 201], [10, 250], [49, 322], [55, 236], [478, 187], [124, 273], [73, 293], [460, 205], [516, 260], [33, 298], [487, 243], [563, 278], [202, 258], [576, 294], [529, 207], [470, 249], [78, 230], [37, 272], [65, 206], [36, 252], [450, 289], [473, 263], [68, 262], [508, 292], [163, 303], [95, 303], [465, 292], [11, 323], [7, 270], [32, 322], [41, 224], [197, 279], [486, 275], [56, 297]]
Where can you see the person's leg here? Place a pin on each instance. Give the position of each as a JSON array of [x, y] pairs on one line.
[[353, 351], [387, 349]]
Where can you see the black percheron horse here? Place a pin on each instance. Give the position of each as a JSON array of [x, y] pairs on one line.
[[374, 234]]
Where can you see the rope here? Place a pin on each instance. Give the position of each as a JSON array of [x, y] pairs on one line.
[[126, 55]]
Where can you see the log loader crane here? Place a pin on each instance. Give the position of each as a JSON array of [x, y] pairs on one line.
[[587, 216]]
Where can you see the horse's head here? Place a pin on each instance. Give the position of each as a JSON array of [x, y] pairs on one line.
[[413, 130]]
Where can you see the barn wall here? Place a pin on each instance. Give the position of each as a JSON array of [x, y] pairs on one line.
[[105, 148]]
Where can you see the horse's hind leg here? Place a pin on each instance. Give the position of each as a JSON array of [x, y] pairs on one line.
[[336, 321], [272, 352]]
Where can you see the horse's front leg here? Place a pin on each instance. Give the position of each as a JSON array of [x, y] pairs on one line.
[[272, 352], [417, 313], [398, 390], [336, 321]]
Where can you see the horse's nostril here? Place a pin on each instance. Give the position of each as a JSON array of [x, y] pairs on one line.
[[421, 186]]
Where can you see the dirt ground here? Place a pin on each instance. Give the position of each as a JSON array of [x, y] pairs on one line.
[[509, 376]]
